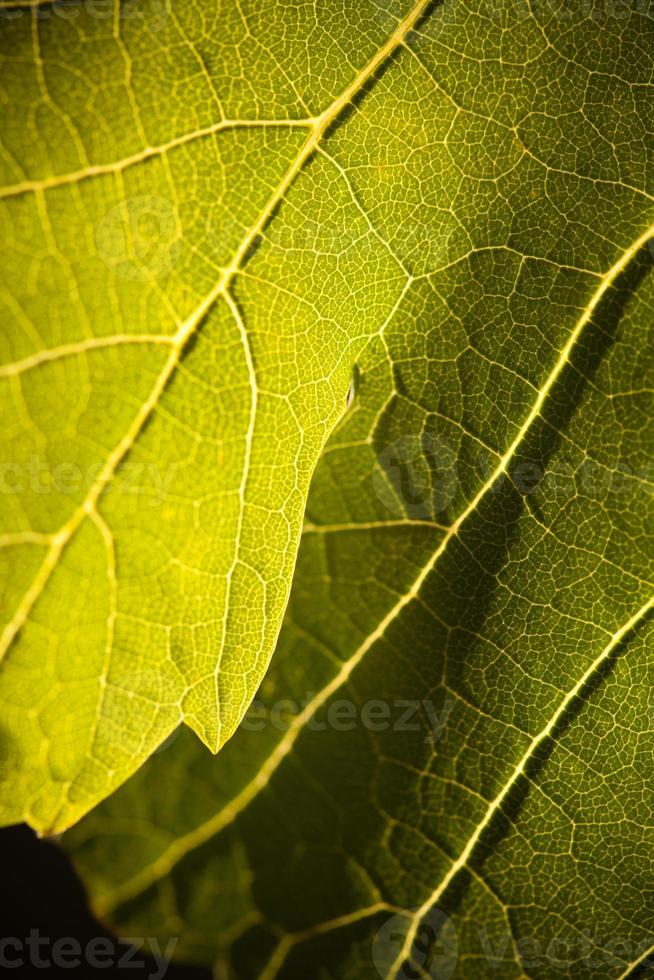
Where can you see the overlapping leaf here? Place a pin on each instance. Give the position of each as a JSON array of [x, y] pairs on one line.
[[170, 368]]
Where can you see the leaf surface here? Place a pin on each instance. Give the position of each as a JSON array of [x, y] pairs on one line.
[[171, 368], [456, 728]]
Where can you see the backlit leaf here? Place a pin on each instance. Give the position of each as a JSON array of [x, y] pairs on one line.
[[449, 764]]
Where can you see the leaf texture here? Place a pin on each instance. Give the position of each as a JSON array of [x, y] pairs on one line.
[[477, 548], [168, 383]]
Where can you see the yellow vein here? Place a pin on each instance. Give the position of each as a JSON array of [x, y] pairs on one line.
[[79, 347], [631, 969], [182, 845], [292, 939], [66, 532], [118, 166], [370, 526], [519, 770], [112, 580], [188, 328], [247, 458], [24, 537], [322, 123]]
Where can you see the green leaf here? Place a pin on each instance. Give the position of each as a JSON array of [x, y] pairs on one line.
[[189, 280], [450, 763]]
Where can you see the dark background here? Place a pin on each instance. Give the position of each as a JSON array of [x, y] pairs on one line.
[[40, 891]]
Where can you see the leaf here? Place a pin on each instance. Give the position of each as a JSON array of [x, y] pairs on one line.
[[449, 764], [189, 282]]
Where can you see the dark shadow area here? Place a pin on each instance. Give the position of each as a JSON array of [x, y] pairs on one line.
[[304, 852], [46, 927], [644, 969], [466, 578]]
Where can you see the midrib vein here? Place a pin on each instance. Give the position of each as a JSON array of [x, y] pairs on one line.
[[199, 835], [496, 804], [188, 328]]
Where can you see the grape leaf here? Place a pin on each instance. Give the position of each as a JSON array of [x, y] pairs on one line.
[[448, 771], [168, 376]]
